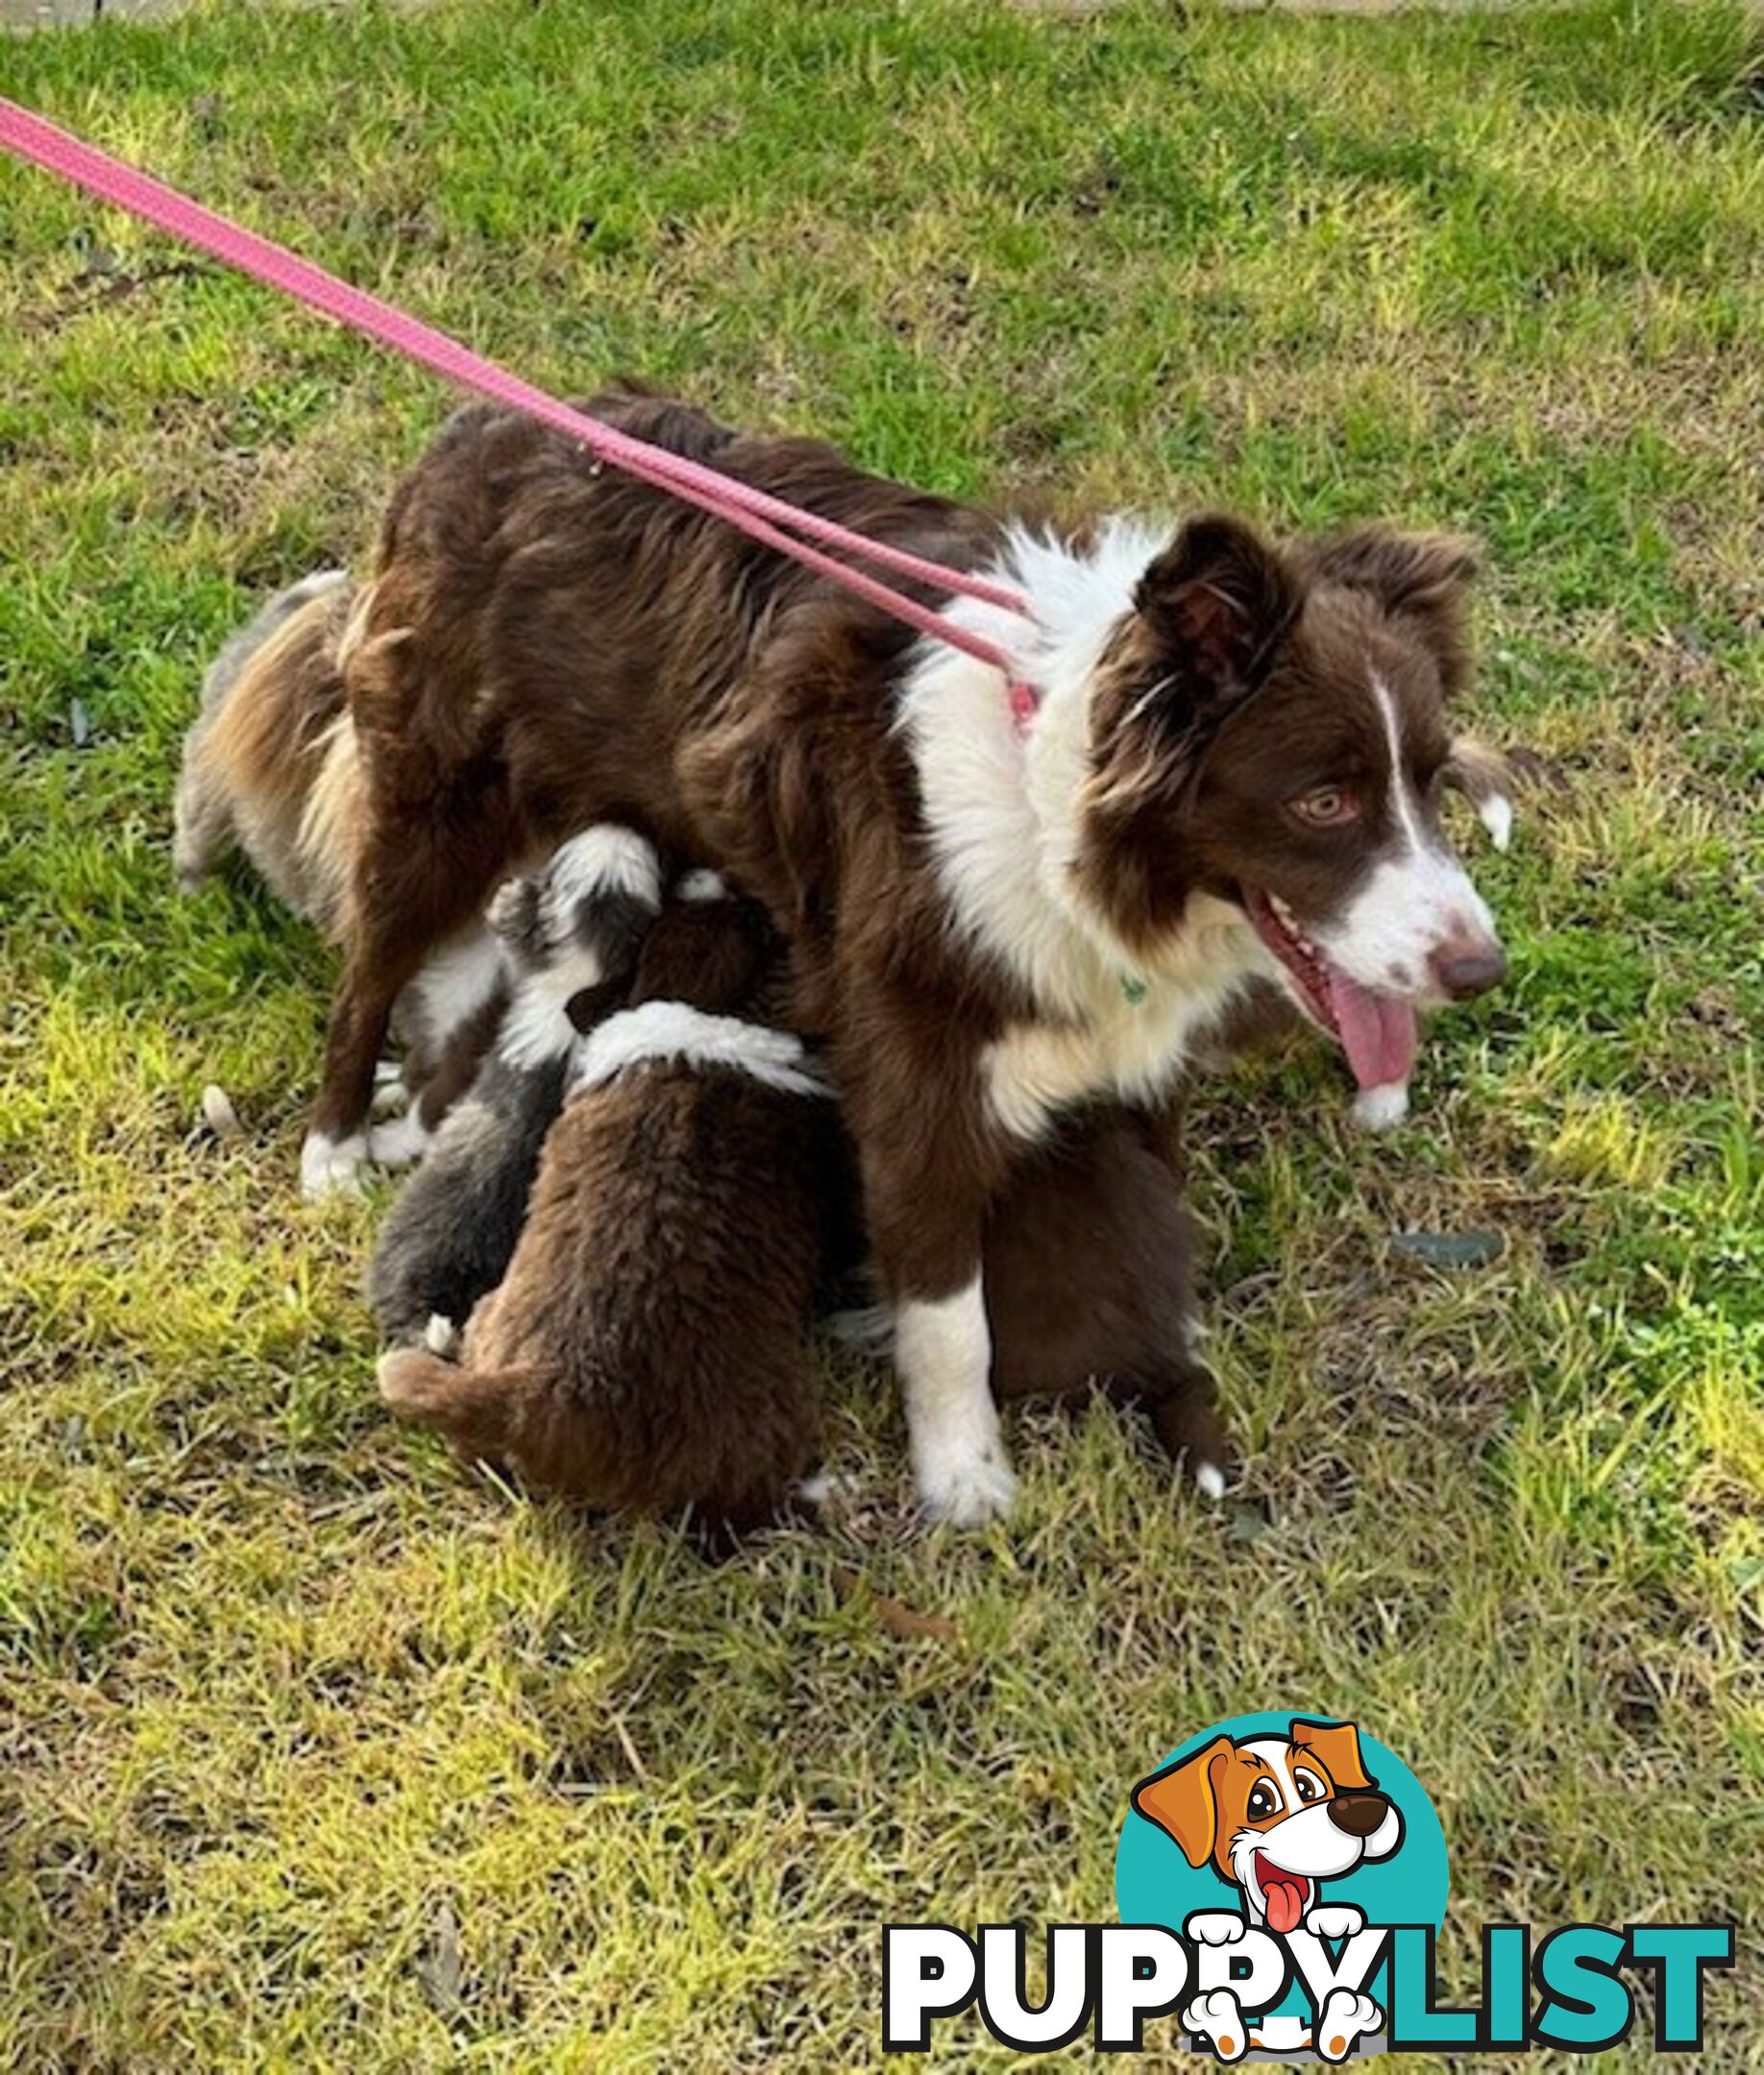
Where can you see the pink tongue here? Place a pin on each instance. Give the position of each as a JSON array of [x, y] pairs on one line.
[[1283, 1900], [1377, 1035]]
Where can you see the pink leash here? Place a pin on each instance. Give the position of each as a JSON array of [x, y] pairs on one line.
[[763, 517]]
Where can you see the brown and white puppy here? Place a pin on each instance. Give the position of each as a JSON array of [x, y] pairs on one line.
[[1088, 1272], [649, 1346], [570, 941], [1231, 776]]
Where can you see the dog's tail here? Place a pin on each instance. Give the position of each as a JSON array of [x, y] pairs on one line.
[[271, 763], [483, 1412]]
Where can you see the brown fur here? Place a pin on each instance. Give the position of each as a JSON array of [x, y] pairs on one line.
[[648, 1347], [271, 763], [547, 645], [1090, 1279]]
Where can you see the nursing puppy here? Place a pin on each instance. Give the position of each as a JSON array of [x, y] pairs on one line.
[[1233, 776], [1088, 1269], [649, 1346], [570, 941]]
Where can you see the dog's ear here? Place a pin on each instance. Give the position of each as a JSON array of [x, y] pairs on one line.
[[1338, 1745], [1215, 603], [1423, 579], [1181, 1801]]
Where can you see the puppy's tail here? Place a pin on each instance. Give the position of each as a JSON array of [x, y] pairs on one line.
[[271, 762], [483, 1412]]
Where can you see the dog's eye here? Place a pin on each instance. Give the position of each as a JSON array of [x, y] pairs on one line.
[[1264, 1801], [1328, 807], [1310, 1787]]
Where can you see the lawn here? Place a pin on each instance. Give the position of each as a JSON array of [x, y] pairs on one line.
[[317, 1753]]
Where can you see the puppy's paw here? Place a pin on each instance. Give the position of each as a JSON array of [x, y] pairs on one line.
[[1345, 2019], [1335, 1920], [1215, 1927], [331, 1166], [1210, 1479], [965, 1483], [1217, 2014], [441, 1336], [399, 1143], [391, 1090]]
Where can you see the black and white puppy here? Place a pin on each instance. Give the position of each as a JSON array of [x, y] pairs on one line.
[[570, 941]]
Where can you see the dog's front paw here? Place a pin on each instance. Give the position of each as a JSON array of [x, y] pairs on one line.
[[1215, 1927], [1217, 2014], [331, 1166], [1335, 1920], [1345, 2019], [966, 1485]]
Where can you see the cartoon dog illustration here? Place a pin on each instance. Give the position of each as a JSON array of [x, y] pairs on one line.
[[1276, 1817]]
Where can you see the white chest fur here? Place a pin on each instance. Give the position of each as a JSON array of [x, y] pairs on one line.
[[1002, 816], [1131, 1051]]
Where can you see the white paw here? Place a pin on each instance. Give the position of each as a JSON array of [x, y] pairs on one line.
[[391, 1090], [828, 1488], [1210, 1479], [1217, 2016], [399, 1143], [966, 1485], [331, 1166], [1335, 1920], [1345, 2019], [440, 1336], [1379, 1108], [1215, 1927]]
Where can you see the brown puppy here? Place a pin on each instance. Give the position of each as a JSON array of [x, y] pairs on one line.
[[648, 1347], [1088, 1260]]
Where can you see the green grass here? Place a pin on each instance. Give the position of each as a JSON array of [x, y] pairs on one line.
[[316, 1754]]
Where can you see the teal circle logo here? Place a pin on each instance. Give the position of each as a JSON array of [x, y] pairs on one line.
[[1287, 1824]]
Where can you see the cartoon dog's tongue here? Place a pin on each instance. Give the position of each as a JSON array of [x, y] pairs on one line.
[[1282, 1897], [1377, 1034]]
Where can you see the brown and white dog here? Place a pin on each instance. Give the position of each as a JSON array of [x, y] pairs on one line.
[[1233, 777]]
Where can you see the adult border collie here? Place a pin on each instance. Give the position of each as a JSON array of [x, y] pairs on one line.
[[1233, 776]]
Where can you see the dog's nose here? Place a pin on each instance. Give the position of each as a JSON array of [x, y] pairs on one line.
[[1468, 963], [1358, 1814]]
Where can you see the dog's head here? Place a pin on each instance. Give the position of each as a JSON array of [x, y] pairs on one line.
[[1275, 1815], [1270, 726]]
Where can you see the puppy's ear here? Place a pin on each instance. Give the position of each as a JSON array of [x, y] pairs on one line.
[[1215, 603], [1180, 1800], [1422, 578], [1338, 1745]]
